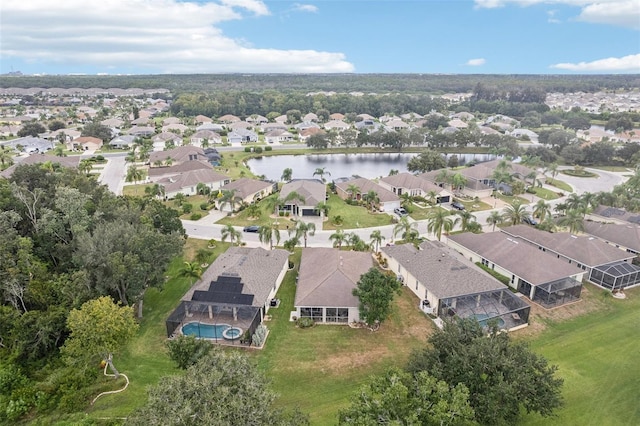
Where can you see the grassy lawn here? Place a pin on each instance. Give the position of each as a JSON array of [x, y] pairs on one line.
[[353, 216], [135, 190], [266, 218], [319, 368], [546, 194], [611, 168], [597, 356], [145, 359], [511, 198], [559, 184]]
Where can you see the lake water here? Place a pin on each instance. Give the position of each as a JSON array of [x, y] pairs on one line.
[[342, 165]]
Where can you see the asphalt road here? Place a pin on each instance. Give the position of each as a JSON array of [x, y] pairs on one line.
[[113, 174]]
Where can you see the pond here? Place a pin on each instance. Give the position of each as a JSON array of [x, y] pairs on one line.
[[342, 165]]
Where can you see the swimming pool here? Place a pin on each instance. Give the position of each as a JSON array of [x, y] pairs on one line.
[[205, 331], [483, 319]]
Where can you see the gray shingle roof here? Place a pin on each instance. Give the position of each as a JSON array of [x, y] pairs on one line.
[[524, 260], [328, 276], [190, 179], [624, 235], [443, 271], [311, 189], [258, 268], [583, 249], [367, 185], [245, 186], [409, 181]]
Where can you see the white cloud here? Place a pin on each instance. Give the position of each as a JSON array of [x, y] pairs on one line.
[[552, 17], [624, 13], [305, 8], [625, 64], [158, 36], [476, 62]]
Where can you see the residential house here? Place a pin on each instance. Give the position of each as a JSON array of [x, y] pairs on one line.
[[202, 138], [306, 125], [541, 277], [161, 172], [228, 119], [41, 158], [388, 200], [310, 117], [202, 119], [242, 125], [312, 190], [29, 144], [625, 237], [175, 128], [247, 190], [336, 116], [615, 215], [142, 131], [214, 127], [397, 125], [464, 116], [165, 140], [338, 125], [236, 291], [85, 143], [307, 133], [178, 155], [112, 122], [122, 142], [268, 127], [448, 285], [187, 182], [326, 280], [458, 124], [415, 186], [142, 121], [605, 265], [171, 120], [242, 136], [278, 136], [256, 119]]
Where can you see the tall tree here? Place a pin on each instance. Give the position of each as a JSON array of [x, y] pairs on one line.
[[542, 210], [372, 199], [515, 212], [376, 238], [231, 391], [399, 398], [504, 379], [321, 171], [495, 218], [439, 220], [231, 233], [99, 328], [338, 238], [287, 174], [304, 230], [375, 292], [404, 228], [466, 218], [229, 198], [426, 161], [191, 270], [573, 220], [268, 234]]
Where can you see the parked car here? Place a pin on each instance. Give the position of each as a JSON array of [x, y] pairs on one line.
[[530, 220], [457, 205], [400, 211], [252, 228]]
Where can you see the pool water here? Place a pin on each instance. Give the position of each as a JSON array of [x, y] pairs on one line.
[[483, 319], [205, 331]]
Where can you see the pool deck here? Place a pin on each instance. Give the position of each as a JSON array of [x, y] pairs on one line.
[[219, 319]]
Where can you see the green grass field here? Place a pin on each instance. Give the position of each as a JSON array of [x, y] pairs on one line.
[[559, 184], [353, 216], [597, 354]]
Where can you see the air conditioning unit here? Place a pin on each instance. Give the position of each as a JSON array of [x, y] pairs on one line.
[[400, 278]]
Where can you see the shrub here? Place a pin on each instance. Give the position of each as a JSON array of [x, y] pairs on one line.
[[259, 335], [504, 280], [247, 149], [204, 206], [99, 157], [257, 150], [187, 350], [268, 148], [187, 208], [195, 216], [305, 322]]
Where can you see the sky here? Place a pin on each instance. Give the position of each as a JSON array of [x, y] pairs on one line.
[[320, 36]]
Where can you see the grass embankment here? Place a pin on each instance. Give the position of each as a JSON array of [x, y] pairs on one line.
[[597, 357], [559, 184], [319, 368], [545, 194]]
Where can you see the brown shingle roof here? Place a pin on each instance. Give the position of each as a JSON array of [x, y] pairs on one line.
[[245, 186], [367, 185], [312, 190], [328, 276], [522, 259], [443, 271]]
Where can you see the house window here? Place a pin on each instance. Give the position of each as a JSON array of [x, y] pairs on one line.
[[337, 315], [513, 278], [313, 313], [416, 284]]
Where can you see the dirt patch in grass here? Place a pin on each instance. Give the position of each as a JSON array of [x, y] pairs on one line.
[[592, 299]]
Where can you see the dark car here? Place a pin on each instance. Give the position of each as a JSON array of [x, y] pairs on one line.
[[252, 228], [530, 220], [457, 205]]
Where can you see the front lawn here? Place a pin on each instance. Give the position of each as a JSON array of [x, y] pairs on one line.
[[353, 216], [559, 184], [545, 194], [597, 357]]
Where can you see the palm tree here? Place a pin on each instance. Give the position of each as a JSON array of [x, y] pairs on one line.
[[372, 199], [574, 202], [515, 212], [532, 175], [134, 175], [231, 233], [229, 197], [432, 197], [85, 166], [321, 171], [573, 220], [458, 181], [287, 174], [589, 202], [443, 177], [376, 238], [203, 189], [553, 169], [439, 220], [303, 230], [202, 256], [253, 211], [466, 218], [338, 238], [59, 151], [269, 233], [180, 198], [322, 208], [192, 270], [495, 218], [541, 210], [353, 190], [404, 227]]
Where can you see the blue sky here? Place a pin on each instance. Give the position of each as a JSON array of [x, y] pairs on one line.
[[385, 36]]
